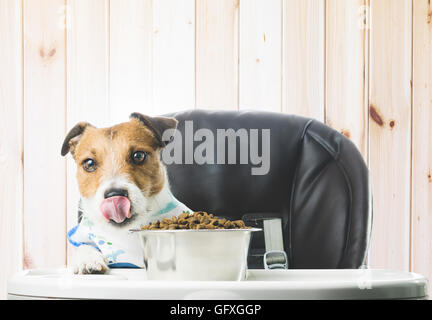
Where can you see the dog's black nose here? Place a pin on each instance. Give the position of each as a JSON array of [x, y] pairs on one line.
[[115, 192]]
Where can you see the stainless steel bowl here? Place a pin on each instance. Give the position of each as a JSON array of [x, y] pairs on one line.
[[216, 254]]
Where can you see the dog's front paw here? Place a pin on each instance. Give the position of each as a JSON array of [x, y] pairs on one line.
[[89, 261], [91, 268]]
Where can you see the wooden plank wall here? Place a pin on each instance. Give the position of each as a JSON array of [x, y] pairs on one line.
[[346, 95], [44, 171], [11, 141], [421, 184], [260, 55], [390, 131], [303, 37], [362, 66], [217, 54]]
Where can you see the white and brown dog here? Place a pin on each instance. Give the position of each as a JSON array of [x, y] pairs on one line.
[[123, 185]]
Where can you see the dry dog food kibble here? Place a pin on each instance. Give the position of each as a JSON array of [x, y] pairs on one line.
[[197, 220]]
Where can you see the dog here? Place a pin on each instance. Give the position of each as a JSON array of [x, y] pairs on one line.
[[123, 185]]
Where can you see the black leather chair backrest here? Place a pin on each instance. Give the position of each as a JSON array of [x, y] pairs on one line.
[[318, 184]]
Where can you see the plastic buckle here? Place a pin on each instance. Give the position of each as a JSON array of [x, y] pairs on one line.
[[275, 259]]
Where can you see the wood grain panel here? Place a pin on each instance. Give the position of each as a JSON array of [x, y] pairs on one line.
[[306, 57], [44, 129], [260, 55], [173, 55], [217, 54], [303, 58], [346, 58], [421, 140], [390, 132], [88, 79], [130, 78], [11, 147]]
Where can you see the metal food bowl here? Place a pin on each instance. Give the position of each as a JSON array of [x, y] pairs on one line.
[[196, 255]]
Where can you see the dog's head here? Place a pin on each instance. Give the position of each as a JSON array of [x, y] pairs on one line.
[[119, 167]]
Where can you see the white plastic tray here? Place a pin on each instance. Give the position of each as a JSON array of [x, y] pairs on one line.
[[260, 285]]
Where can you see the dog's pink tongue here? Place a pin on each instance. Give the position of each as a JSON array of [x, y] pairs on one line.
[[116, 208]]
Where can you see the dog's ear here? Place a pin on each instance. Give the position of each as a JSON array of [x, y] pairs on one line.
[[157, 125], [73, 137]]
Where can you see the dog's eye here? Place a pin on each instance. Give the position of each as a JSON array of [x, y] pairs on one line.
[[138, 157], [89, 165]]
